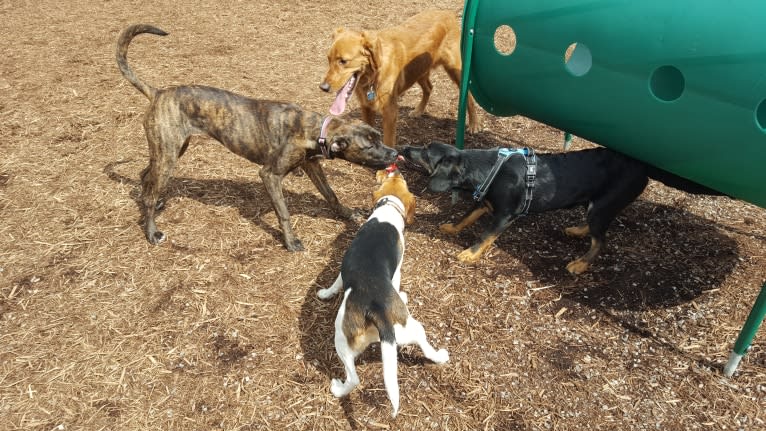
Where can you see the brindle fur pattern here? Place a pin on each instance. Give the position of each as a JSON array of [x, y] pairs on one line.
[[279, 136]]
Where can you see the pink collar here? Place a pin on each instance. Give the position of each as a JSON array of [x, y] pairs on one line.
[[322, 140]]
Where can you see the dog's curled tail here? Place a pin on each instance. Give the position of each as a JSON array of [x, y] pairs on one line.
[[122, 56], [388, 355]]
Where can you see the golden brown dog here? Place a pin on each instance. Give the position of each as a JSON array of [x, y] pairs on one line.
[[379, 66]]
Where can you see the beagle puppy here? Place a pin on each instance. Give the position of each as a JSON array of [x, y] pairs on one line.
[[373, 309]]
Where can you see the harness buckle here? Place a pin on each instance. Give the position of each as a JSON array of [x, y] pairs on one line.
[[531, 172]]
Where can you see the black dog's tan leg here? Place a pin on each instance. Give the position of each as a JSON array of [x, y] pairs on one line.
[[577, 231], [314, 170], [273, 184], [426, 86], [470, 219], [488, 238], [581, 264], [600, 215], [473, 254]]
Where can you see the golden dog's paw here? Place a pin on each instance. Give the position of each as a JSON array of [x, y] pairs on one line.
[[468, 256], [448, 228], [415, 113], [474, 128], [577, 266]]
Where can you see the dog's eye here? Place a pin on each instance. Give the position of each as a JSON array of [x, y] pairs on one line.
[[342, 61]]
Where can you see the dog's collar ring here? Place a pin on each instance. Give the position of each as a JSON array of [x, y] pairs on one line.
[[322, 139], [392, 201]]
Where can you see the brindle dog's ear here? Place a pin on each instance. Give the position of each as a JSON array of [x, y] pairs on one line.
[[448, 173]]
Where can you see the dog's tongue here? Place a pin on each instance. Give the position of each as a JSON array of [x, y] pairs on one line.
[[339, 105]]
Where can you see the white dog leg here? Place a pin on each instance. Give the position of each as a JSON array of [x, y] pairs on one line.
[[347, 356], [332, 290], [413, 333]]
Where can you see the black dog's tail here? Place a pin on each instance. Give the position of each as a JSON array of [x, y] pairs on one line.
[[680, 183], [122, 56]]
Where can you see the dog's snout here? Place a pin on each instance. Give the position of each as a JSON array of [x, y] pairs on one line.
[[324, 87], [392, 154]]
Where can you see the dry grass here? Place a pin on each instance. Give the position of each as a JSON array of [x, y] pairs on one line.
[[220, 327]]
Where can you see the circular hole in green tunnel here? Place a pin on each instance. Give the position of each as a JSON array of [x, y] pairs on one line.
[[760, 115], [578, 59], [667, 83], [505, 40]]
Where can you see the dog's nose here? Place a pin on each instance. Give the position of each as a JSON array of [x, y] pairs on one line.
[[324, 87]]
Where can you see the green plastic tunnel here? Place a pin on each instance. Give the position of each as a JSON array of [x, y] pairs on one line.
[[678, 84]]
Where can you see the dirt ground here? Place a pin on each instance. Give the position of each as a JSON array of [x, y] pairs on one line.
[[220, 327]]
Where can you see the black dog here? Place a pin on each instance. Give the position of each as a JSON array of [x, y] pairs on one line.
[[605, 180]]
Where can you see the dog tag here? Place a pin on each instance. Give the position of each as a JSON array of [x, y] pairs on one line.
[[370, 94]]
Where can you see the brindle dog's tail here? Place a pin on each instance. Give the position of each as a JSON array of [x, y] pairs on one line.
[[122, 56]]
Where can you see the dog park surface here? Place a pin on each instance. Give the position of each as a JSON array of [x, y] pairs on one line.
[[220, 327]]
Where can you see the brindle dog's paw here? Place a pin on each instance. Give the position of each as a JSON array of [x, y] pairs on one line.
[[156, 237], [294, 245], [577, 266], [448, 228], [357, 216]]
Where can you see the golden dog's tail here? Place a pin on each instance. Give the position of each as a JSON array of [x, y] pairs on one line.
[[122, 56]]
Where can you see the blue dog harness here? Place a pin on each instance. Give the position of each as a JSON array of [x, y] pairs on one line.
[[504, 154]]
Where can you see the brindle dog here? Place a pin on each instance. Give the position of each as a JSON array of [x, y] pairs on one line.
[[279, 136]]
